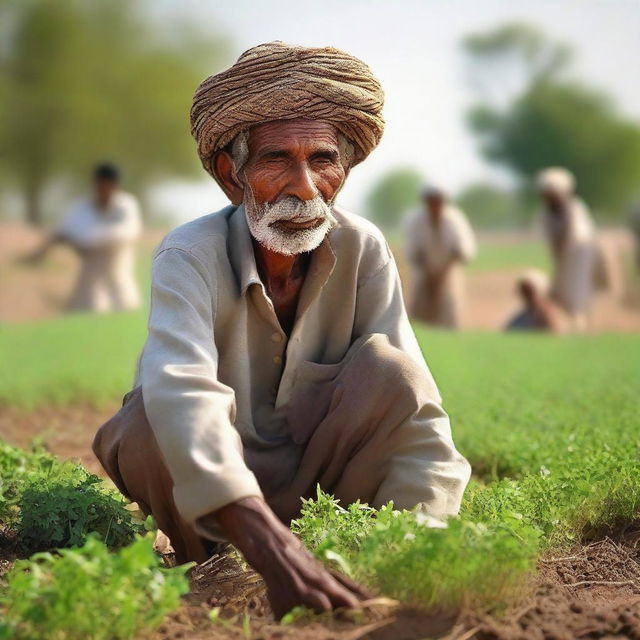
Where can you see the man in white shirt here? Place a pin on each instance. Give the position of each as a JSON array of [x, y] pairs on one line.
[[279, 354], [103, 230], [580, 265], [439, 242]]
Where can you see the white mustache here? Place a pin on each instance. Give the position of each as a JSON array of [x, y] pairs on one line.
[[290, 208]]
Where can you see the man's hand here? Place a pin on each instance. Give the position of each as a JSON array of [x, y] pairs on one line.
[[293, 576]]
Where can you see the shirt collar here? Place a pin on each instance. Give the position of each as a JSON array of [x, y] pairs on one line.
[[241, 254], [243, 260]]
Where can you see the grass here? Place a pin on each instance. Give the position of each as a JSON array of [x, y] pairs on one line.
[[507, 256], [78, 359], [550, 426]]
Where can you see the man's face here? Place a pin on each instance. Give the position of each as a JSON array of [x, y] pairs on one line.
[[434, 204], [104, 190], [554, 199], [527, 292], [291, 177]]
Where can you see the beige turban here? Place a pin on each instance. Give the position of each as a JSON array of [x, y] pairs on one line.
[[278, 81], [556, 179], [536, 279]]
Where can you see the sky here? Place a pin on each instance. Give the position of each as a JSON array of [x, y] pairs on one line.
[[414, 48]]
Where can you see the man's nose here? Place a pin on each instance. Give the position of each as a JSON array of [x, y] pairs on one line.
[[301, 183]]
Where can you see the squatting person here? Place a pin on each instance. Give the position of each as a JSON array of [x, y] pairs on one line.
[[538, 312], [103, 231], [279, 354], [439, 241]]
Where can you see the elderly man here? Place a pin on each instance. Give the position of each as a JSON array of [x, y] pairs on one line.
[[279, 354], [579, 262], [439, 241], [103, 231]]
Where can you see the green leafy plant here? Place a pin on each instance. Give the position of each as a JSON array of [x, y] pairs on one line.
[[465, 563], [52, 504], [62, 507], [89, 593], [15, 465]]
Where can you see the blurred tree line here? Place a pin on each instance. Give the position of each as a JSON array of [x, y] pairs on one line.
[[82, 81], [530, 114]]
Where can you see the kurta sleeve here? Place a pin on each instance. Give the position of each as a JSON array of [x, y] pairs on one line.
[[425, 465], [190, 411]]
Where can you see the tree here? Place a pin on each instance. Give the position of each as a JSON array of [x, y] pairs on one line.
[[551, 120], [393, 195], [88, 81], [490, 207]]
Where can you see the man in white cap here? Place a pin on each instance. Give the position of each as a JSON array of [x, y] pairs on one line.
[[538, 312], [578, 260], [279, 355], [439, 241]]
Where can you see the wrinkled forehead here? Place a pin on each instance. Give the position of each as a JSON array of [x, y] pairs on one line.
[[292, 135]]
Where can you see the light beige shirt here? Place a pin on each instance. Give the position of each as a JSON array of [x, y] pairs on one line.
[[107, 241], [217, 369], [576, 256], [430, 247]]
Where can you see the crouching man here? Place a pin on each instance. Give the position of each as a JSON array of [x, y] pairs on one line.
[[279, 354]]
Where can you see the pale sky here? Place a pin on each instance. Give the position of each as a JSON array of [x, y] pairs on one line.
[[414, 48]]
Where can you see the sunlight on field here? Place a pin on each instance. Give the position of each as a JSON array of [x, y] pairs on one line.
[[505, 256], [80, 359]]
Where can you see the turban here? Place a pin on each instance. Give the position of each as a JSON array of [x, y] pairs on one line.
[[536, 279], [278, 81], [556, 179]]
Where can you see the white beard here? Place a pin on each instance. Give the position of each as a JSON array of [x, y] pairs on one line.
[[261, 217]]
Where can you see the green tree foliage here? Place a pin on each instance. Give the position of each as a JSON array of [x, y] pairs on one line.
[[489, 206], [541, 118], [393, 195], [93, 80]]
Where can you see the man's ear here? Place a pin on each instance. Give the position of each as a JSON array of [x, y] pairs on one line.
[[225, 173]]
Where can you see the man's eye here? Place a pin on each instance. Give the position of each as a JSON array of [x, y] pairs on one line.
[[276, 161], [323, 161]]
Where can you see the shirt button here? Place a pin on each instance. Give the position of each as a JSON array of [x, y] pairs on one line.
[[276, 337], [277, 359]]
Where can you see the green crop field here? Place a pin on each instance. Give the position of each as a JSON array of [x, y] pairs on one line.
[[510, 255], [549, 424]]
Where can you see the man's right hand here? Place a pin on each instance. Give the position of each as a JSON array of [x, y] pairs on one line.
[[293, 576]]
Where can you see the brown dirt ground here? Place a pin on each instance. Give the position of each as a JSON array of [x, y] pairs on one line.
[[38, 292], [32, 293]]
